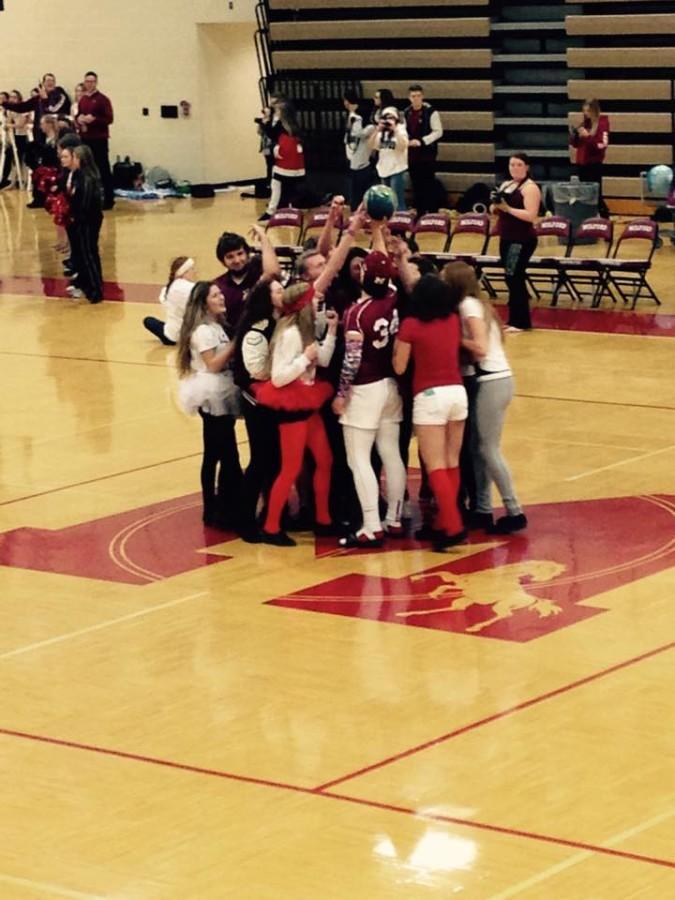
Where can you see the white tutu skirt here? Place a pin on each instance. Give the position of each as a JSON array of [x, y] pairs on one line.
[[212, 392]]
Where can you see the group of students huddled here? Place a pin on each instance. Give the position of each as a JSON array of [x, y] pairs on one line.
[[358, 351], [65, 145]]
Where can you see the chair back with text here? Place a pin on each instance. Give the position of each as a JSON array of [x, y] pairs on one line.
[[554, 237], [402, 222], [284, 228], [316, 221], [469, 236], [597, 230], [637, 241], [432, 232]]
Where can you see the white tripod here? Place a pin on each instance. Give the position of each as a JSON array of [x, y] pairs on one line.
[[7, 140]]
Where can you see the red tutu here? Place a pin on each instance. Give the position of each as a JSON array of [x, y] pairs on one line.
[[294, 397]]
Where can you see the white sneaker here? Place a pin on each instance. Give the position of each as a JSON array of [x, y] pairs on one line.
[[74, 293]]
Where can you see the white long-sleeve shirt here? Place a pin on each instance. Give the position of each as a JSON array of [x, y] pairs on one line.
[[289, 361]]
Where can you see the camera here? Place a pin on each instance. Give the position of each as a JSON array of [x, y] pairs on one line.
[[496, 196], [258, 120]]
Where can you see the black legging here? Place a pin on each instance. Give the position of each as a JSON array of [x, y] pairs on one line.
[[221, 471], [515, 256], [593, 174], [86, 258], [263, 467]]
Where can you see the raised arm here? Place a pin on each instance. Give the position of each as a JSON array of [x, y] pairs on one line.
[[339, 255], [325, 242], [270, 263]]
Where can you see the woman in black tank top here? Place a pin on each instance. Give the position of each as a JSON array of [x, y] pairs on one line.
[[517, 210]]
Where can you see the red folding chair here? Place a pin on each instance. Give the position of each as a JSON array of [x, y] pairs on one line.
[[469, 237], [554, 242], [284, 230], [625, 273], [585, 267], [432, 232], [316, 221], [402, 222]]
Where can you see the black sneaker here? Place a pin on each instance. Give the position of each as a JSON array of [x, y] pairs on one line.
[[479, 521], [265, 217], [509, 524], [448, 540], [428, 533], [277, 539]]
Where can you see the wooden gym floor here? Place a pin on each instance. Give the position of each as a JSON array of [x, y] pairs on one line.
[[187, 717]]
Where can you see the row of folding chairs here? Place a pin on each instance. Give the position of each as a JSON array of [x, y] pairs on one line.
[[585, 263]]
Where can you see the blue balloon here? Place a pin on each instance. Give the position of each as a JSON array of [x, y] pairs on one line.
[[659, 179]]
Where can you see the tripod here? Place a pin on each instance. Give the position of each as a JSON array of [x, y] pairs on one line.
[[8, 145]]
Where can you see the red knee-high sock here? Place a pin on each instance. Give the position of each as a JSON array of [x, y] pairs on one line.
[[455, 476], [446, 497], [317, 441], [293, 438]]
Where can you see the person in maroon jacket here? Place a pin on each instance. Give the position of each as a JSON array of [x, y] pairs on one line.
[[94, 118], [591, 139]]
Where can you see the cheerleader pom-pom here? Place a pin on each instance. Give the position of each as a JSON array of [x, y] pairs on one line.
[[294, 397]]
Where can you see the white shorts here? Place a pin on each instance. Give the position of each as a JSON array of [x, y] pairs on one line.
[[440, 405], [372, 405]]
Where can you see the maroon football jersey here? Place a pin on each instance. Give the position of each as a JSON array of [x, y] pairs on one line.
[[377, 320]]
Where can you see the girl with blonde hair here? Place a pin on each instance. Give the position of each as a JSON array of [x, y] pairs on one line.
[[482, 337], [296, 395]]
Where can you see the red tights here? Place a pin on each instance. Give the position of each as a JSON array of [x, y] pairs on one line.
[[295, 437]]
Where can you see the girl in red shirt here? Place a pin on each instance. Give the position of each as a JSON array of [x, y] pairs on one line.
[[591, 140], [431, 338]]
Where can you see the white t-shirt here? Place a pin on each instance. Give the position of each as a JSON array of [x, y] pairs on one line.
[[289, 361], [392, 159], [175, 300], [494, 364], [208, 336]]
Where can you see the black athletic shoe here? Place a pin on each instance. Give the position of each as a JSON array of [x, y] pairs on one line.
[[265, 217], [428, 533], [480, 521], [448, 540], [509, 524], [277, 539]]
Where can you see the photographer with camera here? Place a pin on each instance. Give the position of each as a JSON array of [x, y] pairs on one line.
[[390, 140], [591, 140], [516, 204]]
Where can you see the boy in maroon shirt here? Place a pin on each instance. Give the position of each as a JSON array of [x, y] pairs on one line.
[[244, 269], [95, 116]]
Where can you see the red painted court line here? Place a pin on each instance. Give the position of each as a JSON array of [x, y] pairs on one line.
[[345, 798], [511, 832], [67, 487], [601, 321], [495, 717], [56, 288]]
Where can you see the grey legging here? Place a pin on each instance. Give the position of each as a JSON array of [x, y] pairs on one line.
[[491, 404]]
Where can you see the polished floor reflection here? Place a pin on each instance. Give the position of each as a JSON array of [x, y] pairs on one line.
[[188, 717]]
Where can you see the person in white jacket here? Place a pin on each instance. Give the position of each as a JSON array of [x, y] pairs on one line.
[[390, 140]]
